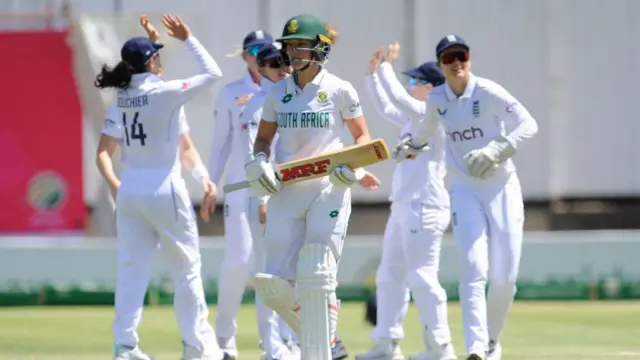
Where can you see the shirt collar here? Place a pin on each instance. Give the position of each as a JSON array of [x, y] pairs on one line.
[[266, 84], [468, 91], [247, 79], [145, 78], [292, 87]]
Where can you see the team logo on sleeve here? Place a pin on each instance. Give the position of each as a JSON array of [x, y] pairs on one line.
[[512, 107], [354, 107], [108, 124], [287, 98], [322, 97]]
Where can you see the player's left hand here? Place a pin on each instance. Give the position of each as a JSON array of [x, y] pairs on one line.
[[209, 201], [370, 181], [152, 33], [406, 150], [481, 162], [373, 64], [344, 176]]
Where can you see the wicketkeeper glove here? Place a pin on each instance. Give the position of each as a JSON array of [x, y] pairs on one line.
[[406, 150], [261, 176], [481, 162], [344, 176]]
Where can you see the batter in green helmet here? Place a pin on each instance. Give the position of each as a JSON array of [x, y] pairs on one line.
[[307, 221]]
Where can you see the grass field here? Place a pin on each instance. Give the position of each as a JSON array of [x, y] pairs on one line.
[[536, 330]]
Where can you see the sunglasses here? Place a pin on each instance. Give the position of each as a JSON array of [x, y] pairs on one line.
[[253, 50], [450, 57], [414, 81]]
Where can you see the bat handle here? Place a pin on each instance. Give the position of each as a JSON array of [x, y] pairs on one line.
[[236, 186]]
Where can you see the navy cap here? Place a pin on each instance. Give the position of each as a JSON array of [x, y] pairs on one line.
[[138, 51], [428, 71], [258, 37], [270, 52], [449, 41]]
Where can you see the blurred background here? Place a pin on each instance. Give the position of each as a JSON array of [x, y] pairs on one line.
[[572, 64]]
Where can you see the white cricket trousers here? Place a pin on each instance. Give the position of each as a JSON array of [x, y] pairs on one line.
[[411, 257], [244, 254], [488, 220], [162, 216]]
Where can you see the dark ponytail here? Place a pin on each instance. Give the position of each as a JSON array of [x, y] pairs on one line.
[[117, 77]]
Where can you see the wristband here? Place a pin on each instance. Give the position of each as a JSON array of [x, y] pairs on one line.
[[199, 172]]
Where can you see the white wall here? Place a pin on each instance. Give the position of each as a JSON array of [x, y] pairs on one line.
[[573, 64]]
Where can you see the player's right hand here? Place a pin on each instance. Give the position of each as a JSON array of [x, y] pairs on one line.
[[406, 150], [209, 201], [176, 28], [261, 175], [152, 33], [393, 52], [373, 64]]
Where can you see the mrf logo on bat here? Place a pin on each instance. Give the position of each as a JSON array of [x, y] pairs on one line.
[[305, 170]]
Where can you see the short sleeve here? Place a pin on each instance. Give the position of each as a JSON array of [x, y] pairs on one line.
[[112, 127], [350, 102], [269, 112], [184, 126]]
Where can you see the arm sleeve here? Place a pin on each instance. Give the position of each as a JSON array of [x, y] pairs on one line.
[[409, 106], [222, 137], [269, 112], [381, 102], [425, 128], [177, 92], [349, 102], [184, 126], [518, 122], [112, 127]]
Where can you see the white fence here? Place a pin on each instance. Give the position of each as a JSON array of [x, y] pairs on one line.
[[573, 64]]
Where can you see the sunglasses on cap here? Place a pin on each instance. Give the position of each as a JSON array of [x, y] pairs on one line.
[[414, 81], [253, 50], [451, 57]]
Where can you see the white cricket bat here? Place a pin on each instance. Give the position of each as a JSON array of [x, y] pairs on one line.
[[355, 156]]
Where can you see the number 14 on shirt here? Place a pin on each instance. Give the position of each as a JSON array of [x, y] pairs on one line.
[[137, 130]]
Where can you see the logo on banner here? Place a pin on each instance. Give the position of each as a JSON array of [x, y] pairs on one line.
[[47, 192]]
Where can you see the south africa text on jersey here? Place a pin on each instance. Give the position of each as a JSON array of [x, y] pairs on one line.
[[304, 120]]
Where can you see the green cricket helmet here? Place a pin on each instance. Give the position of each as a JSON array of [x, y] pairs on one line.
[[308, 27]]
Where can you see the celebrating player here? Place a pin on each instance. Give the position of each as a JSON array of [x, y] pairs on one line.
[[277, 337], [413, 235], [484, 126], [243, 208], [307, 221], [148, 122]]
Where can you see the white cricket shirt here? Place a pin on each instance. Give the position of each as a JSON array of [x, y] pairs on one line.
[[226, 128], [310, 120], [483, 112], [148, 119], [420, 179]]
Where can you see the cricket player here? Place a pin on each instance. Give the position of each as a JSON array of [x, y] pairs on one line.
[[242, 209], [485, 125], [148, 122], [307, 221], [418, 220], [276, 336]]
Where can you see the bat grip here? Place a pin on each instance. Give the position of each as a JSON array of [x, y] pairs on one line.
[[236, 186]]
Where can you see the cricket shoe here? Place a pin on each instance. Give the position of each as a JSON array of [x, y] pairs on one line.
[[495, 351], [228, 347], [385, 349], [291, 352], [447, 353], [474, 357], [191, 353], [339, 351], [123, 352]]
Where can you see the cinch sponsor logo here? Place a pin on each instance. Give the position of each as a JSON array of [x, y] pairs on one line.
[[467, 134]]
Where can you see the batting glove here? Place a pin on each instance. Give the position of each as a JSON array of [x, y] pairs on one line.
[[482, 162], [406, 150], [261, 175], [344, 176]]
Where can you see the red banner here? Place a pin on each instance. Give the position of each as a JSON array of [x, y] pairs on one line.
[[40, 135]]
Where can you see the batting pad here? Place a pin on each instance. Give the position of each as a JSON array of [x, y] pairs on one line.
[[316, 279], [279, 295]]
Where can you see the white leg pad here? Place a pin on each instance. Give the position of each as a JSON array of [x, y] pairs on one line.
[[316, 279], [279, 295]]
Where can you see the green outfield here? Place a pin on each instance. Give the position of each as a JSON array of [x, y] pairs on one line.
[[537, 330]]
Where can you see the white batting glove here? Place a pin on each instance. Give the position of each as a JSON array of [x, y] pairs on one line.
[[482, 162], [344, 176], [406, 150], [261, 175]]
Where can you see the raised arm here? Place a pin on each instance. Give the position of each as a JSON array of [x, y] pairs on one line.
[[378, 95], [177, 92], [406, 103]]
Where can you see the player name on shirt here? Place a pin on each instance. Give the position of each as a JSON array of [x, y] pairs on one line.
[[304, 120], [133, 102]]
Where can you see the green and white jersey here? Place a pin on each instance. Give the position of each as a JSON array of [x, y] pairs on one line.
[[310, 120]]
